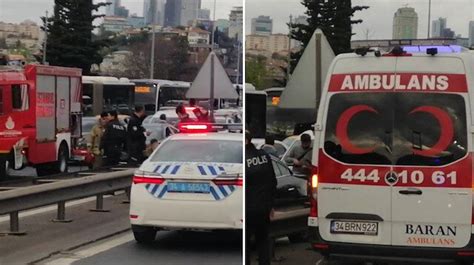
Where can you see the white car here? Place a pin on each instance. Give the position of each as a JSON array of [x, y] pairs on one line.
[[191, 182]]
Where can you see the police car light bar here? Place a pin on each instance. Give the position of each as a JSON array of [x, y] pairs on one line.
[[209, 127]]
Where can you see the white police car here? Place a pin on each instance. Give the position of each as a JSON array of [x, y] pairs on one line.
[[193, 181]]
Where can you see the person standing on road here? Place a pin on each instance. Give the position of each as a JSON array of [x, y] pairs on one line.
[[182, 114], [136, 139], [113, 140], [96, 138], [300, 156], [260, 189]]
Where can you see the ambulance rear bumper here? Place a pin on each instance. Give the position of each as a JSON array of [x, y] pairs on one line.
[[392, 254]]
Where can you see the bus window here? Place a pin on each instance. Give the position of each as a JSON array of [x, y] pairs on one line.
[[119, 97], [172, 96]]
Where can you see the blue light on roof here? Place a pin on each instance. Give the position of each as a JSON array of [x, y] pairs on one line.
[[441, 48]]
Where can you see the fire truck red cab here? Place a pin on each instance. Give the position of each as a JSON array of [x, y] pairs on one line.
[[393, 157], [40, 116]]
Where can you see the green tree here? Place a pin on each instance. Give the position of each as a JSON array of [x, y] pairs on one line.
[[256, 71], [70, 37], [334, 18]]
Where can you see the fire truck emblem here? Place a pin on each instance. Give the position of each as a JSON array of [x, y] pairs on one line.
[[9, 124]]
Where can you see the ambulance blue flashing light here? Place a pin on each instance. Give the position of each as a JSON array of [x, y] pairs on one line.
[[439, 48]]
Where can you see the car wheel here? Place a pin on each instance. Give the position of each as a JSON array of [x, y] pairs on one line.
[[144, 234]]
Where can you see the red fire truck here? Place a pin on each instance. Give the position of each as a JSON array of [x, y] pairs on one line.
[[40, 117]]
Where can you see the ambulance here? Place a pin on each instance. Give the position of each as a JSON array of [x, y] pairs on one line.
[[393, 157]]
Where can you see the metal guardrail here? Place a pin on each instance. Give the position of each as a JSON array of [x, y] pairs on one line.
[[98, 184]]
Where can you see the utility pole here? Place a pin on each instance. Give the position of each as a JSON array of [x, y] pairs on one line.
[[429, 17], [45, 43], [238, 63], [152, 57], [288, 68]]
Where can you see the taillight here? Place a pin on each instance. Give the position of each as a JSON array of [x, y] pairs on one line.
[[313, 192], [147, 180], [229, 182]]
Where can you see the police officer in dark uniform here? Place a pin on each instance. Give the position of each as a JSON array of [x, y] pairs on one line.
[[113, 140], [136, 139], [260, 189]]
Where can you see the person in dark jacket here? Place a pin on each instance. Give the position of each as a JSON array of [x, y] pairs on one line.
[[260, 189], [113, 140], [136, 139]]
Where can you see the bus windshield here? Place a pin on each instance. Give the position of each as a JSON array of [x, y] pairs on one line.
[[396, 128]]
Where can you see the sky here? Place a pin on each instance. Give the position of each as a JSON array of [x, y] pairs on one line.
[[378, 19], [14, 11]]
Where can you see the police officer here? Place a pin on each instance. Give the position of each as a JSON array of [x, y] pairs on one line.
[[113, 139], [136, 138], [260, 189]]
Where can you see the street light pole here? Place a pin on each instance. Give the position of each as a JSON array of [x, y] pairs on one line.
[[288, 68], [429, 17], [211, 96], [152, 59], [213, 26], [45, 43]]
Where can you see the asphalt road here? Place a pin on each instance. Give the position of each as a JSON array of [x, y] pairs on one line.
[[173, 248], [105, 238]]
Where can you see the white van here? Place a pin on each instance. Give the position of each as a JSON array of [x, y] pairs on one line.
[[393, 158]]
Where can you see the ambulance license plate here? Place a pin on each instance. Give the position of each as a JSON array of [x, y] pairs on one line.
[[354, 227], [186, 187]]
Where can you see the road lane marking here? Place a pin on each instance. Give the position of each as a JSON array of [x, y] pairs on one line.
[[91, 250]]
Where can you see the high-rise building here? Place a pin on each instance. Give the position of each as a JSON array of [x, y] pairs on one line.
[[159, 6], [204, 14], [405, 23], [189, 11], [471, 33], [172, 13], [236, 23], [437, 27], [223, 25], [261, 25], [112, 7]]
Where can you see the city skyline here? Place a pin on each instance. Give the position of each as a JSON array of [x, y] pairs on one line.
[[33, 10], [378, 19]]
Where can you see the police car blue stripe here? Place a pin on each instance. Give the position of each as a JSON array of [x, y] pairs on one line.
[[222, 169], [201, 169], [224, 192], [227, 189], [165, 169], [232, 188], [147, 186], [157, 168], [175, 169], [213, 192], [163, 191], [153, 189], [213, 170]]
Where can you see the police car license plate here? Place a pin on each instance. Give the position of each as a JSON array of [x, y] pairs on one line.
[[187, 187], [354, 227]]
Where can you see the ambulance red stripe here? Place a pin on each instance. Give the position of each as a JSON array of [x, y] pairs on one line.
[[400, 82]]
